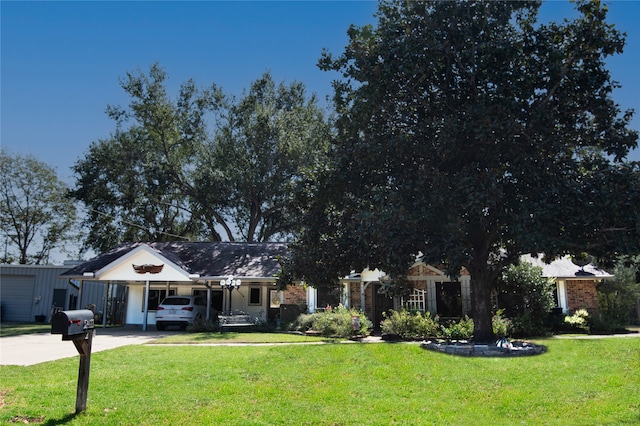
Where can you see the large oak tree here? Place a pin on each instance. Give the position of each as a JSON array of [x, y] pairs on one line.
[[205, 166], [470, 133]]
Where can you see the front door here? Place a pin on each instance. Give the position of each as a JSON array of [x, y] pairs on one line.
[[381, 303]]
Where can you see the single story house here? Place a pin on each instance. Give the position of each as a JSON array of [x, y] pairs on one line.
[[153, 271], [117, 281], [198, 268]]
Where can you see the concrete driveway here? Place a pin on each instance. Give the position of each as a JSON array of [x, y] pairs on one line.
[[29, 349]]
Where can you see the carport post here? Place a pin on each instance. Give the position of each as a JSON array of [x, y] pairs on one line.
[[147, 269], [106, 304], [146, 306]]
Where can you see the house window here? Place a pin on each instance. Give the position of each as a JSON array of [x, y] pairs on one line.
[[155, 297], [416, 301], [449, 299], [328, 296], [255, 296]]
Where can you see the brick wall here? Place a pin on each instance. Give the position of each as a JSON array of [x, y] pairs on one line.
[[295, 295], [582, 294], [354, 294]]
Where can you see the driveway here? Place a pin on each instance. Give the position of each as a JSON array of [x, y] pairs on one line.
[[29, 349]]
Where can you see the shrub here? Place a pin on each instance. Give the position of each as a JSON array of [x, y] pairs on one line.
[[617, 298], [527, 298], [303, 322], [336, 322], [460, 330], [502, 327], [410, 325], [202, 325], [578, 321], [415, 325], [526, 325], [605, 324]]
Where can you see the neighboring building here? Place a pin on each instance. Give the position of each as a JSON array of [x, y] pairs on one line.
[[29, 292]]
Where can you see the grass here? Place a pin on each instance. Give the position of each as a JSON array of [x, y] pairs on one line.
[[240, 337], [16, 328], [577, 382]]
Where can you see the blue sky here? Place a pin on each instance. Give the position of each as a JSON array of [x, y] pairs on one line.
[[61, 61]]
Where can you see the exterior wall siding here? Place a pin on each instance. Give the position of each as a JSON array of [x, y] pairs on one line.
[[17, 298], [43, 280]]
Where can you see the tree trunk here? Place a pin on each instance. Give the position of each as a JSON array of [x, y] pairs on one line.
[[481, 300]]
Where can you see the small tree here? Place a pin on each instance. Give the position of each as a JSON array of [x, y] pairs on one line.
[[35, 214], [617, 297], [526, 297]]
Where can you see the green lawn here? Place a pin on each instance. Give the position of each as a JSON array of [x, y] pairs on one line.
[[242, 337], [16, 328], [577, 382]]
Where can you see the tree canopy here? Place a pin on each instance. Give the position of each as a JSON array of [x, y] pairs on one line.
[[36, 217], [470, 133], [206, 166]]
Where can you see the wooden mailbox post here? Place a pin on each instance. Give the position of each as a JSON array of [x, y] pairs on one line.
[[77, 326]]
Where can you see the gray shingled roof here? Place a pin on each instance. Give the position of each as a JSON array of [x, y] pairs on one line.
[[565, 268], [204, 259]]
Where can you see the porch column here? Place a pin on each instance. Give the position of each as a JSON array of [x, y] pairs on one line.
[[363, 287], [146, 306], [106, 304], [208, 301]]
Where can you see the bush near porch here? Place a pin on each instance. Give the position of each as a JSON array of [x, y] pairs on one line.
[[334, 322], [421, 326]]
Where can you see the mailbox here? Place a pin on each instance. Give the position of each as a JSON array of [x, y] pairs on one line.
[[72, 323]]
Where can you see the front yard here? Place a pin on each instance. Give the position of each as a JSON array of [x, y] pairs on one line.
[[579, 382]]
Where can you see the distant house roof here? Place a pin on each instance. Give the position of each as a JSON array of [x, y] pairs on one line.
[[566, 269], [203, 259]]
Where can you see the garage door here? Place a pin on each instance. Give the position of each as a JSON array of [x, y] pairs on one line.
[[17, 297]]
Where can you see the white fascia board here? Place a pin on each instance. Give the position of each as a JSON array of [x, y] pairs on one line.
[[121, 269]]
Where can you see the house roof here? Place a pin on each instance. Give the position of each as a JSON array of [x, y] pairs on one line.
[[564, 268], [198, 259]]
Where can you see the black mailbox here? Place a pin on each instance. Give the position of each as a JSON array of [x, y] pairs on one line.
[[72, 323]]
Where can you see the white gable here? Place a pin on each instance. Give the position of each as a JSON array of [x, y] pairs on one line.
[[122, 268]]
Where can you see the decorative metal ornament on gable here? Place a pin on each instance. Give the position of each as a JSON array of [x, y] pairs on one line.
[[147, 269]]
